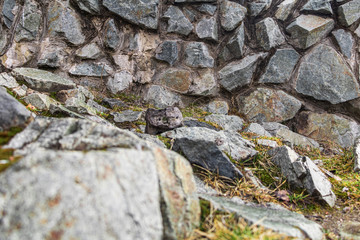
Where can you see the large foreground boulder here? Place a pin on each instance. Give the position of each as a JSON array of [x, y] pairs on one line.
[[66, 172]]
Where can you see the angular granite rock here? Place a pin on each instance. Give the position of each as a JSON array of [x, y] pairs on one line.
[[218, 107], [38, 100], [307, 30], [268, 34], [301, 172], [160, 97], [19, 54], [207, 8], [112, 38], [318, 6], [273, 127], [109, 178], [63, 21], [349, 12], [258, 6], [273, 217], [234, 48], [126, 116], [324, 75], [3, 39], [197, 55], [177, 22], [231, 14], [268, 105], [257, 129], [328, 127], [42, 80], [8, 81], [295, 139], [280, 66], [285, 9], [89, 51], [167, 51], [227, 141], [226, 122], [89, 70], [29, 23], [345, 41], [178, 80], [90, 6], [239, 74], [207, 28], [8, 12], [207, 155], [119, 82], [13, 113], [143, 13], [205, 84]]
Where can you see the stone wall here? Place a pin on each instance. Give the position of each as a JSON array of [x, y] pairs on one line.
[[292, 61]]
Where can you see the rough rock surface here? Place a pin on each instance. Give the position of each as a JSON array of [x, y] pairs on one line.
[[159, 121], [167, 51], [205, 84], [13, 113], [328, 127], [324, 75], [38, 100], [143, 13], [207, 28], [258, 6], [112, 38], [8, 81], [119, 82], [230, 123], [280, 66], [301, 172], [357, 155], [318, 6], [90, 6], [197, 55], [90, 51], [268, 105], [179, 204], [42, 80], [160, 97], [207, 154], [284, 9], [268, 34], [273, 127], [239, 74], [177, 22], [29, 24], [307, 30], [257, 129], [345, 41], [234, 48], [176, 79], [127, 116], [227, 141], [231, 14], [273, 217], [294, 139], [218, 107], [349, 12], [89, 70]]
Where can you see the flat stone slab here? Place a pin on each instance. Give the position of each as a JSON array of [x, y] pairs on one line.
[[143, 13], [42, 80], [324, 75]]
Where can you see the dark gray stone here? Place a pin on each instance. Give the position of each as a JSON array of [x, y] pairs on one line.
[[349, 12], [207, 28], [162, 120], [324, 75], [258, 6], [280, 66], [345, 41], [50, 59], [29, 23], [268, 34], [126, 116], [3, 39], [231, 14], [207, 8], [207, 155], [167, 51], [42, 80], [160, 97], [239, 74], [318, 6], [197, 55], [301, 172], [273, 216], [196, 123], [114, 103], [112, 38], [194, 1], [89, 70], [64, 22], [285, 9], [177, 22], [267, 105], [8, 9], [307, 30], [89, 6], [143, 13], [13, 113], [234, 48], [228, 142]]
